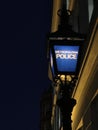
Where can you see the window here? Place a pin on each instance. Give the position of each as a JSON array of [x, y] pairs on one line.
[[90, 8]]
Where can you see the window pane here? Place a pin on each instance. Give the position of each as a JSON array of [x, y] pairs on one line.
[[90, 8]]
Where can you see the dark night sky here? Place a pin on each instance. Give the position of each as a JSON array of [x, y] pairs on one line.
[[23, 63]]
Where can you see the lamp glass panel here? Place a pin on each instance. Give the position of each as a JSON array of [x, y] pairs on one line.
[[66, 57], [51, 62]]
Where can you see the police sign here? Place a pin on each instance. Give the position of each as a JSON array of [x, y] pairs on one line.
[[66, 54], [66, 57]]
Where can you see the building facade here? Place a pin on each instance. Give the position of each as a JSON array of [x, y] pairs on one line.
[[84, 19], [86, 91]]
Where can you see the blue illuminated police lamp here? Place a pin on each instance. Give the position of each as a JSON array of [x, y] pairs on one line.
[[65, 55]]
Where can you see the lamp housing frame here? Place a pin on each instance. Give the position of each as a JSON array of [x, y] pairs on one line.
[[63, 41]]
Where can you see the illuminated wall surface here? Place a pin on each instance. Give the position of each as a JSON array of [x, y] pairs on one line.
[[66, 58]]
